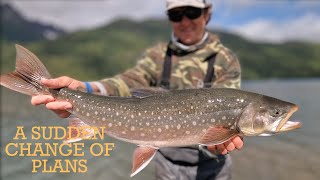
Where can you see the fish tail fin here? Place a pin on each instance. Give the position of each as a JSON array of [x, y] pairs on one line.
[[27, 75]]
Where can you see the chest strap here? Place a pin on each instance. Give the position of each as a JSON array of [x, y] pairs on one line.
[[166, 71], [209, 78]]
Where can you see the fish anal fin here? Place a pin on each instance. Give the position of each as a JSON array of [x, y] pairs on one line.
[[217, 135], [141, 158], [78, 130]]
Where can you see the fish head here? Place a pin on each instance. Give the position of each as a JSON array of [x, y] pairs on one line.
[[267, 116]]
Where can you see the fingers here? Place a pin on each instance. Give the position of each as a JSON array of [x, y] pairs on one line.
[[225, 147], [235, 143], [63, 81], [60, 82], [229, 145], [218, 149], [238, 142], [222, 149], [62, 113], [212, 149], [59, 106], [41, 99]]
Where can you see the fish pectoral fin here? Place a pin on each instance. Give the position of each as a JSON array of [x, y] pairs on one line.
[[77, 130], [141, 158], [217, 135]]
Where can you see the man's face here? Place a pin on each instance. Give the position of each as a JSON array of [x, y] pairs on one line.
[[188, 30]]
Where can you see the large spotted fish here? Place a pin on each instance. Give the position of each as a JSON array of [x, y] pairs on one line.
[[169, 119]]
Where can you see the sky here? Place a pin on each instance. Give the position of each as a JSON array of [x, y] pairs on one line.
[[273, 21]]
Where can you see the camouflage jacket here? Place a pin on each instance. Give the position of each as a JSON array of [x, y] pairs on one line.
[[187, 70]]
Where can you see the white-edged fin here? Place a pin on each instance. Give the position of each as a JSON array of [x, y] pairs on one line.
[[78, 130], [145, 92], [141, 158], [15, 82], [217, 135], [29, 64], [26, 77]]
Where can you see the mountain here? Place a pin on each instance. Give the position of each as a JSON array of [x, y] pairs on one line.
[[15, 27], [107, 50]]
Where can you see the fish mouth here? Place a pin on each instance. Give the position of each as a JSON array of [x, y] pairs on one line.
[[286, 125], [290, 125]]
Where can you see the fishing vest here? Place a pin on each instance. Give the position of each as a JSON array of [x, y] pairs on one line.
[[188, 156], [166, 72]]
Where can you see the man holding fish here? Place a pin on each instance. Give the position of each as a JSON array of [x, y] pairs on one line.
[[194, 58]]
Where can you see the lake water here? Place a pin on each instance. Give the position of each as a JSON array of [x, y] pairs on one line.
[[293, 155]]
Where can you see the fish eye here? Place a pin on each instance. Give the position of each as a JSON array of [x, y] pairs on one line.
[[276, 113]]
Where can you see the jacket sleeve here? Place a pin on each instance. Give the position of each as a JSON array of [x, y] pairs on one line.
[[227, 70], [144, 74]]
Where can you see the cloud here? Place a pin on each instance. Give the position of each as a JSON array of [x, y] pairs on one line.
[[240, 16], [79, 14], [305, 4], [245, 4], [234, 7], [305, 28]]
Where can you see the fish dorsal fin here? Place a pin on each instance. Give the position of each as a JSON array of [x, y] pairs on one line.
[[141, 158], [145, 92], [217, 135], [78, 130]]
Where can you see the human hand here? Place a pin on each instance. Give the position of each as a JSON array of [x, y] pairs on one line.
[[59, 107], [234, 143]]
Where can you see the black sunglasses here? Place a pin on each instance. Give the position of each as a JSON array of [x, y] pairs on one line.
[[189, 12]]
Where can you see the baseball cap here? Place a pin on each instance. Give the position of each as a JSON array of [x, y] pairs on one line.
[[170, 4]]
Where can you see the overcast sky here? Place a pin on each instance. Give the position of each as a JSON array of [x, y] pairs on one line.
[[260, 20]]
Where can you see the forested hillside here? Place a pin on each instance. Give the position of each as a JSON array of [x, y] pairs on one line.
[[107, 50]]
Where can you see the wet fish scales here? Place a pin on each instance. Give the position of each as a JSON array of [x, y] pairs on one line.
[[159, 120]]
